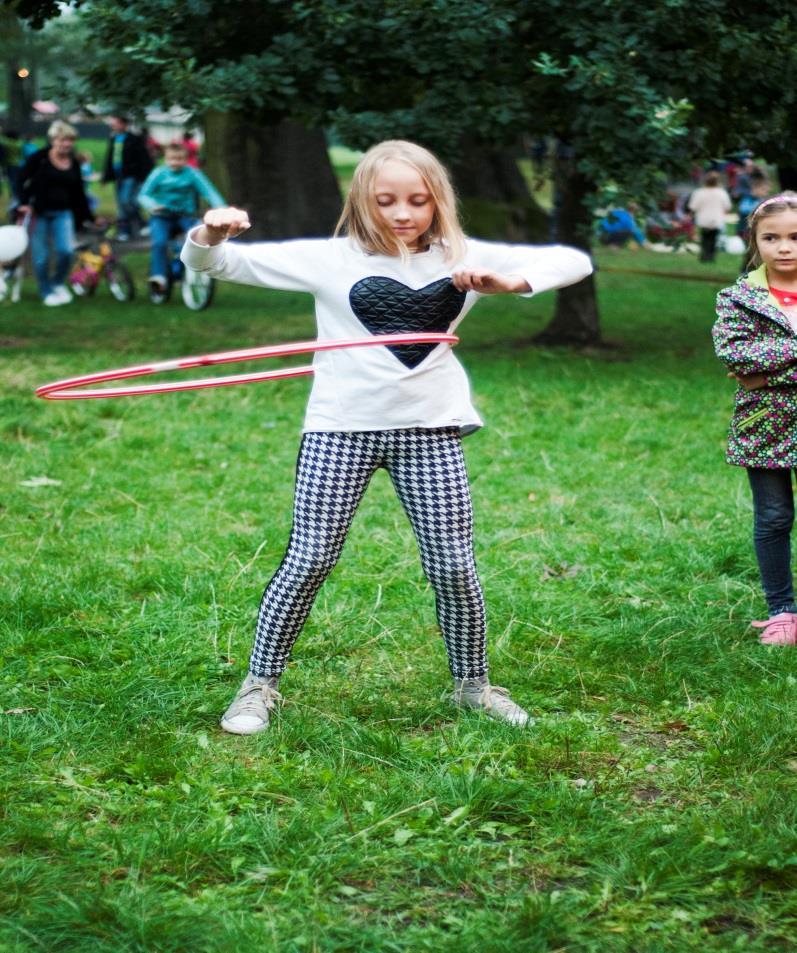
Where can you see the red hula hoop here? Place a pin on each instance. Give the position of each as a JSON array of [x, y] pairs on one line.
[[65, 389]]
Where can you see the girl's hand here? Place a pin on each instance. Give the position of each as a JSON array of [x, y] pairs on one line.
[[750, 381], [489, 282], [219, 224]]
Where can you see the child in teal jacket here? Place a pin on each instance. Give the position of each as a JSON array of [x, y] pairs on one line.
[[171, 195]]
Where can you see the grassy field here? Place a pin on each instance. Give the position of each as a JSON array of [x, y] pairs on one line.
[[651, 808]]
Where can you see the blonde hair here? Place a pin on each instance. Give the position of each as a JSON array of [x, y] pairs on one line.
[[783, 202], [360, 218], [61, 129]]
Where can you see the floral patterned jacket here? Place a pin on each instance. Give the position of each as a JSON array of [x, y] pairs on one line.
[[753, 336]]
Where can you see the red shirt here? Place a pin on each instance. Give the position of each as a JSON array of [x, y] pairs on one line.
[[786, 299]]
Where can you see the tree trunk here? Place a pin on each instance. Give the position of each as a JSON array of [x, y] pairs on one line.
[[495, 199], [787, 175], [280, 174], [576, 320]]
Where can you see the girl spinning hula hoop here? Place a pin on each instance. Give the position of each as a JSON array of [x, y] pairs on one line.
[[399, 263]]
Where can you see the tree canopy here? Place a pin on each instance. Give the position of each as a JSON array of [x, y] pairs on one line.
[[634, 91]]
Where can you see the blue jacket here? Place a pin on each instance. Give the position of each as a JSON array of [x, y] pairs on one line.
[[620, 220]]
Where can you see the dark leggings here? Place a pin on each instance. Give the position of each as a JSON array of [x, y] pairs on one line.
[[427, 469], [773, 518]]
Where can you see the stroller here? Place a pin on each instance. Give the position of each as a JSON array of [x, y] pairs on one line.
[[13, 245]]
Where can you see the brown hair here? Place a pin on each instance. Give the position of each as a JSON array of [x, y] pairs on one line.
[[711, 178], [783, 202], [361, 221]]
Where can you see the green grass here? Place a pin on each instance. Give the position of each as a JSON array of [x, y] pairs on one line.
[[652, 808]]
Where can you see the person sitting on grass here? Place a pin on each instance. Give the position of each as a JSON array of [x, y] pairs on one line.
[[171, 195], [619, 227]]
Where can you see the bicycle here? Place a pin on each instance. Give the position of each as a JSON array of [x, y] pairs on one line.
[[96, 259], [196, 287]]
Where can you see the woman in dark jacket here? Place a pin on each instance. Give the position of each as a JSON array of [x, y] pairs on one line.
[[52, 188]]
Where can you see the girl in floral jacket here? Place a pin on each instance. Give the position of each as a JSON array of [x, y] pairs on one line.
[[755, 334]]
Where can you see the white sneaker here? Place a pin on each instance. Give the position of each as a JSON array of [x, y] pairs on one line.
[[251, 708], [63, 292], [479, 693], [158, 282], [53, 300]]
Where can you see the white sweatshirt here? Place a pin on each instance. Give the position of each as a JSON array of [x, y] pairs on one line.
[[710, 205], [358, 294]]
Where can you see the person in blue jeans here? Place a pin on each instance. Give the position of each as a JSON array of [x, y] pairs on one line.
[[127, 164], [51, 188], [171, 195]]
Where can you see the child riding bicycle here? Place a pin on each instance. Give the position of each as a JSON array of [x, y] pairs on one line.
[[171, 195]]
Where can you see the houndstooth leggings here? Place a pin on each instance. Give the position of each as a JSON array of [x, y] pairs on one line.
[[427, 469]]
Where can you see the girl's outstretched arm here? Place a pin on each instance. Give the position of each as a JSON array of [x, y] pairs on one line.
[[295, 265], [498, 268]]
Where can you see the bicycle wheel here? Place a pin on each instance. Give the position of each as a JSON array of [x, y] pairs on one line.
[[197, 289], [120, 281], [81, 285]]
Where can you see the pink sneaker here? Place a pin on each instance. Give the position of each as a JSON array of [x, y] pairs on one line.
[[781, 629]]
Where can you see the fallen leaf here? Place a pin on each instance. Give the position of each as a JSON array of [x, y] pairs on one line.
[[673, 726], [651, 793], [402, 835], [40, 481], [561, 571], [532, 497], [17, 711]]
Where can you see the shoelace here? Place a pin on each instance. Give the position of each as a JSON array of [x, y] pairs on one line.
[[493, 696], [249, 702]]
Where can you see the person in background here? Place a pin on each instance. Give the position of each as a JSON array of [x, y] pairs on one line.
[[51, 187], [28, 148], [171, 195], [12, 161], [88, 175], [127, 164], [191, 147], [710, 203], [154, 148], [619, 227]]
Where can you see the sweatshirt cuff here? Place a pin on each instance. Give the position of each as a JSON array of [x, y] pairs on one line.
[[200, 257], [572, 266]]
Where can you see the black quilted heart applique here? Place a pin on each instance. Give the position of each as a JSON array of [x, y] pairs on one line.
[[386, 306]]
